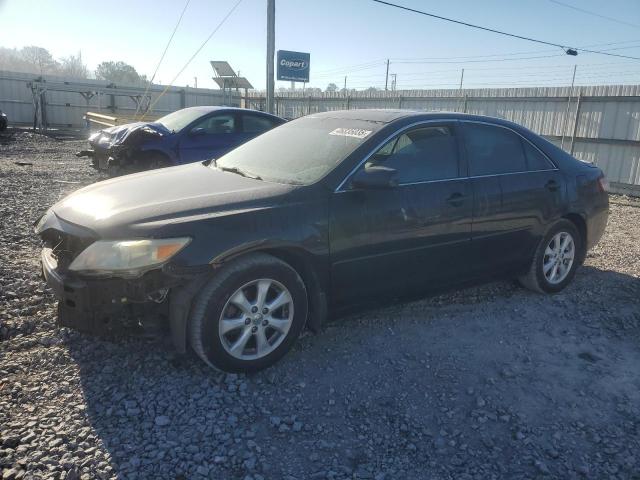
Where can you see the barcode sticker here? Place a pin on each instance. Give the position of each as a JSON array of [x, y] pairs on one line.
[[351, 132]]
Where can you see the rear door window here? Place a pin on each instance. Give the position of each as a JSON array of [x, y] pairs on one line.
[[536, 160], [419, 155], [493, 150], [256, 123]]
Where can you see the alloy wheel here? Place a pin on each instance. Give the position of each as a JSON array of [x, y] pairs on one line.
[[558, 257], [256, 319]]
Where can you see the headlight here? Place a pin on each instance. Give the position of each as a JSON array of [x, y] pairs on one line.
[[94, 136], [127, 257]]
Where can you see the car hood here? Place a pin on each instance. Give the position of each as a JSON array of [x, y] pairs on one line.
[[142, 203], [119, 134]]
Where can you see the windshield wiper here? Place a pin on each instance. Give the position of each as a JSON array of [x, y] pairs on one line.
[[209, 161], [240, 172]]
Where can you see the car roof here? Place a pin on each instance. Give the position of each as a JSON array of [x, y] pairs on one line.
[[204, 109], [391, 115]]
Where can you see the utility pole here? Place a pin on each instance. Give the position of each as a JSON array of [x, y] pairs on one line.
[[460, 87], [345, 85], [394, 82], [271, 47], [566, 113], [195, 82], [386, 79]]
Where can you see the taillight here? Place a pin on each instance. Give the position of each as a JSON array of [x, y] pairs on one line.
[[603, 184]]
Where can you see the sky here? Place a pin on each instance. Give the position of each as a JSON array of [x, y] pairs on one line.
[[351, 38]]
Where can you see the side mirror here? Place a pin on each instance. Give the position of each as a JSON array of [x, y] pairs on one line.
[[374, 177], [195, 132]]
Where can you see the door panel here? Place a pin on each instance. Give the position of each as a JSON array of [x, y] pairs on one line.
[[511, 209], [216, 135], [401, 240], [510, 215]]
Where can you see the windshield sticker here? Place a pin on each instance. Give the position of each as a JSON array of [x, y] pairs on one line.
[[351, 132]]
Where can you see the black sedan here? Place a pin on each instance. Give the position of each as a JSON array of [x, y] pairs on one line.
[[327, 211]]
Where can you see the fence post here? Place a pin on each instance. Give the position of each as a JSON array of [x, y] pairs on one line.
[[400, 102], [575, 123], [464, 106], [309, 106], [43, 110], [348, 101]]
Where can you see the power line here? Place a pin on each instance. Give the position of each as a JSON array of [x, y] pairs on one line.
[[323, 74], [162, 56], [588, 12], [395, 60], [567, 48], [352, 68], [193, 56], [477, 61]]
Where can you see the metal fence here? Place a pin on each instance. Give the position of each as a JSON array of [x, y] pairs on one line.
[[57, 102], [600, 124]]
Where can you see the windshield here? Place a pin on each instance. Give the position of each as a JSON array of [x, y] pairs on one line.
[[300, 152], [176, 121]]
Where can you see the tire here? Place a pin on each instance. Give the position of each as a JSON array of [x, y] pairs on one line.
[[536, 279], [217, 307]]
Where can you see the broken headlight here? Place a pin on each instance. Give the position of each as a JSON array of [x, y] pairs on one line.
[[126, 257], [94, 136]]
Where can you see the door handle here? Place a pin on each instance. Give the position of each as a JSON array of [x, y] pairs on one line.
[[552, 186], [456, 199]]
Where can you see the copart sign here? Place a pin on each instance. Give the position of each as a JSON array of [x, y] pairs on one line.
[[293, 66]]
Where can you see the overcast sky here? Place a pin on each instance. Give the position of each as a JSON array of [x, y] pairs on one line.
[[344, 37]]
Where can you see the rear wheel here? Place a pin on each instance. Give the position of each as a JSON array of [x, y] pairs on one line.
[[249, 314], [555, 260]]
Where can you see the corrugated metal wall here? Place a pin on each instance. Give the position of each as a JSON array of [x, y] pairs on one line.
[[65, 109], [600, 124]]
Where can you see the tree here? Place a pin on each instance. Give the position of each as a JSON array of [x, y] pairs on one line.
[[39, 59], [119, 73], [72, 66], [332, 87]]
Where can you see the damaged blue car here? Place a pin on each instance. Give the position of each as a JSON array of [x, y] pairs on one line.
[[184, 136]]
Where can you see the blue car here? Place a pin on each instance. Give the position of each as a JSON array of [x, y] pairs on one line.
[[188, 135]]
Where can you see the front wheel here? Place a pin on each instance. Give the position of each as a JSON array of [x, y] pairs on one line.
[[555, 260], [249, 314]]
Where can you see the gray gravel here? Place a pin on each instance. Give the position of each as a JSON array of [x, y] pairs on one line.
[[487, 382]]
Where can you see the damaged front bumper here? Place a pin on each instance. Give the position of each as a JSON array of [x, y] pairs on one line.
[[107, 160], [110, 305], [105, 305]]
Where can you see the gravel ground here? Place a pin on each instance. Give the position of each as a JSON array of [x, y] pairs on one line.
[[487, 382]]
